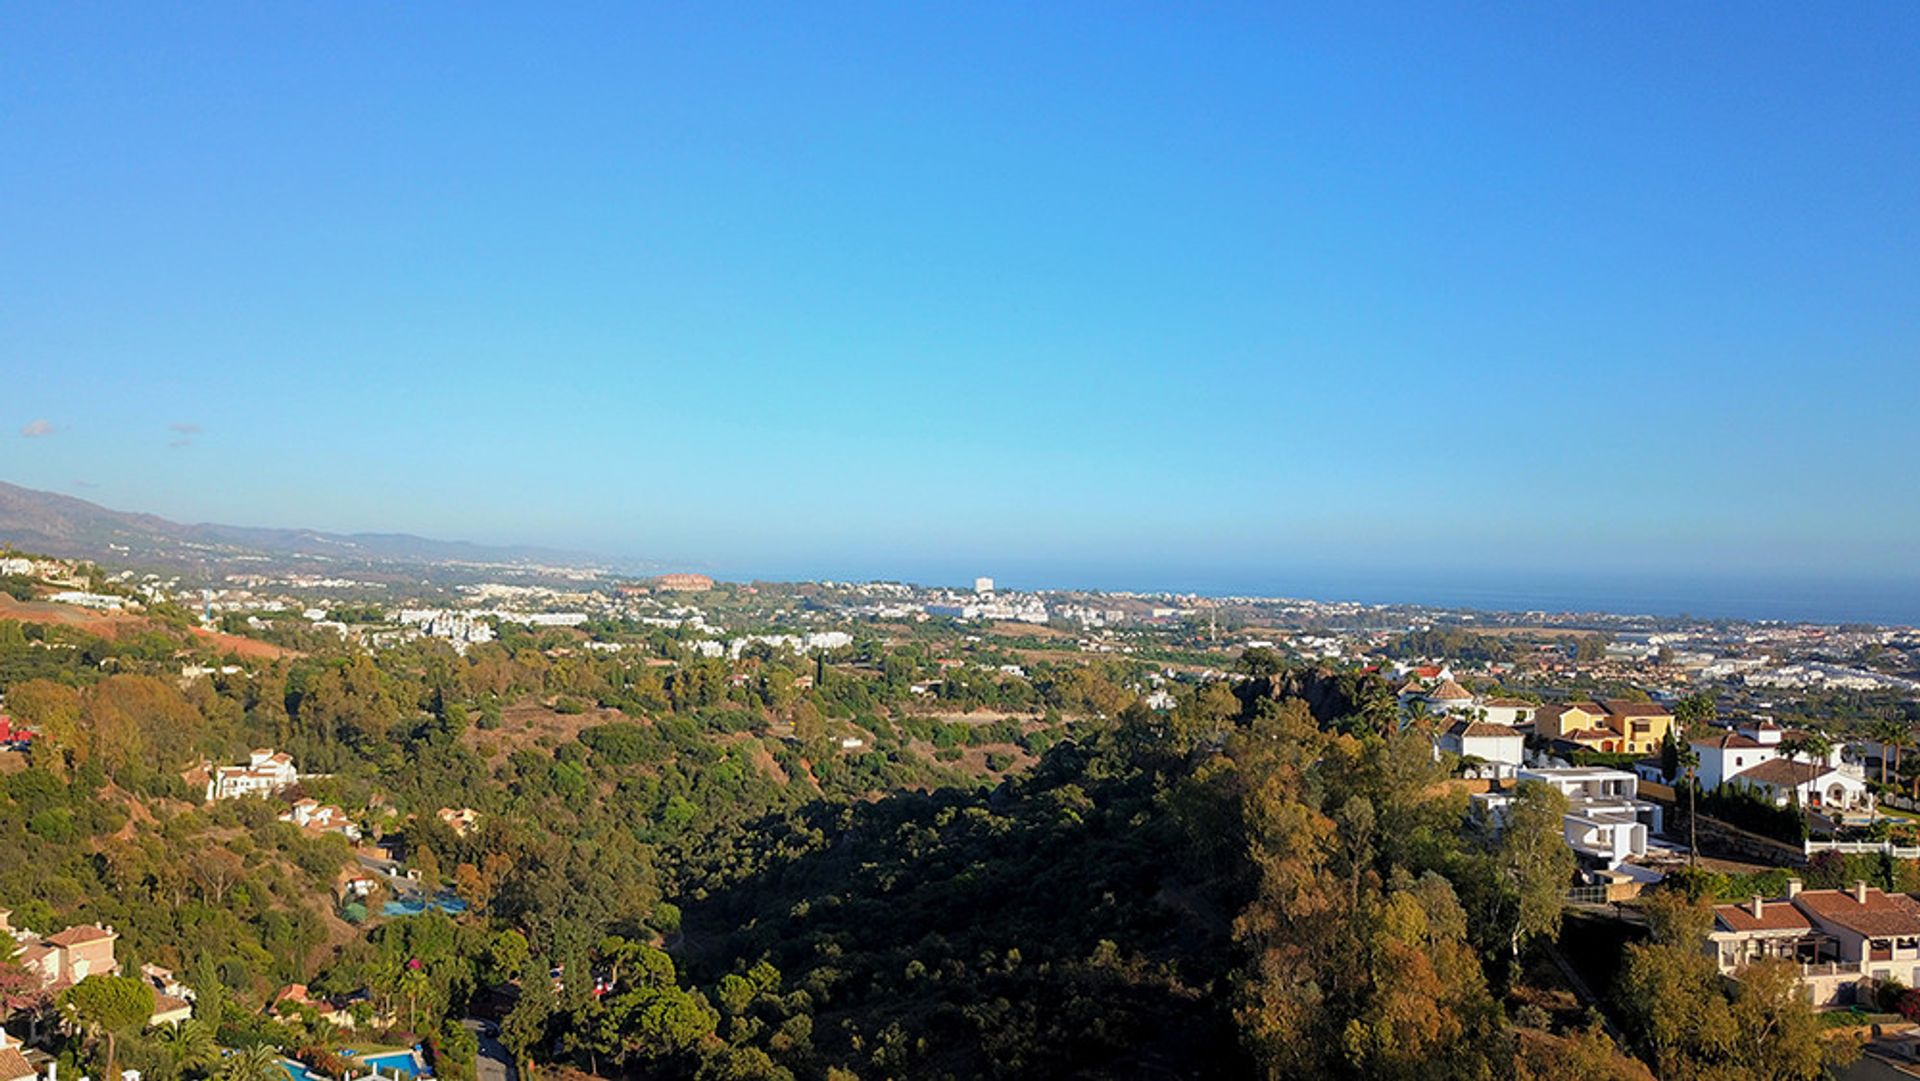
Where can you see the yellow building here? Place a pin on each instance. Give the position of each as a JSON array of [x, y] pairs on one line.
[[1614, 727]]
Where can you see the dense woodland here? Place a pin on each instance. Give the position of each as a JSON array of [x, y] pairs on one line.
[[1275, 878]]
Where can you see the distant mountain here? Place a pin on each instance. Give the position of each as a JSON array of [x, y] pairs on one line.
[[60, 525]]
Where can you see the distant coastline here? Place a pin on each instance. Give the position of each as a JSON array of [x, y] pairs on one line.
[[1743, 597]]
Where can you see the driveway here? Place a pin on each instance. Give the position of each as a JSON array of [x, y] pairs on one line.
[[493, 1063]]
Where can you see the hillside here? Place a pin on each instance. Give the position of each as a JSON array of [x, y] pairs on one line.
[[60, 525]]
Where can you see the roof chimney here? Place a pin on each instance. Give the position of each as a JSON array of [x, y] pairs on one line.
[[1860, 892], [1759, 907], [1793, 888]]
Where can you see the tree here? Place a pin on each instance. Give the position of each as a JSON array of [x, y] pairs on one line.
[[108, 1007], [1891, 735], [1816, 746], [1792, 752], [525, 1027], [1696, 711], [259, 1062], [1535, 862], [189, 1045], [413, 982], [1689, 1026], [1687, 758]]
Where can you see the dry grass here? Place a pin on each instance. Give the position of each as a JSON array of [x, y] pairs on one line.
[[529, 723]]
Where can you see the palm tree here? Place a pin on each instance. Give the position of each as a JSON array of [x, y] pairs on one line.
[[1792, 752], [259, 1062], [1890, 735], [1689, 759], [413, 983], [189, 1045]]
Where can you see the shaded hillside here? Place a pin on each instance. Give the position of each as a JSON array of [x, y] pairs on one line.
[[59, 525]]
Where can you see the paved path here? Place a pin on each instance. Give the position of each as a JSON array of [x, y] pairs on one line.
[[493, 1063]]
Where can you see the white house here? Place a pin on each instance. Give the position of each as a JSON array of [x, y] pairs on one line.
[[311, 814], [266, 772], [1485, 741], [1507, 711], [1755, 754], [1814, 784], [1450, 697], [1606, 824]]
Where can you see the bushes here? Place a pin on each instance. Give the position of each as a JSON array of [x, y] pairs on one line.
[[1742, 807]]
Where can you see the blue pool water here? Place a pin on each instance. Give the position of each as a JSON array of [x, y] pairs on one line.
[[413, 906], [386, 1065], [402, 1063]]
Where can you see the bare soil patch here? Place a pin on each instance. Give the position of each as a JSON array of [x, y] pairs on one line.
[[246, 647], [527, 724]]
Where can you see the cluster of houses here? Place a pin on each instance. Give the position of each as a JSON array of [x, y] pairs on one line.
[[1499, 736], [1845, 942], [56, 962], [267, 773]]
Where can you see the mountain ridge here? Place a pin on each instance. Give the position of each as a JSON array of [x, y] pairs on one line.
[[55, 524]]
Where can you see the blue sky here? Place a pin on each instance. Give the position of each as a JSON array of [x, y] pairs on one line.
[[1116, 291]]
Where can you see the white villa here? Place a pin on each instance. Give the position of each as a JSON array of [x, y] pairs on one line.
[[266, 772], [1754, 754], [1606, 823], [1489, 742]]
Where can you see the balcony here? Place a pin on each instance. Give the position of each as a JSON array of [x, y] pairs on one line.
[[1828, 968]]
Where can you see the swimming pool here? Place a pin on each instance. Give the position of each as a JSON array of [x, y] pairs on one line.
[[403, 1064], [413, 906]]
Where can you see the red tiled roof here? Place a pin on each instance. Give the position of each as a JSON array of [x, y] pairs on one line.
[[1622, 708], [166, 1004], [1730, 742], [1480, 730], [1451, 691], [14, 1066], [79, 936], [1781, 773], [1774, 916], [1883, 914]]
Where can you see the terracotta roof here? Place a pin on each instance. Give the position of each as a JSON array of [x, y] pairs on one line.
[[1781, 773], [1622, 708], [14, 1066], [166, 1004], [1451, 691], [1883, 914], [1732, 742], [1508, 702], [80, 936], [1481, 730], [1585, 735], [1774, 916]]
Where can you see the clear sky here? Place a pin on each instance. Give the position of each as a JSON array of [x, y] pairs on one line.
[[1129, 291]]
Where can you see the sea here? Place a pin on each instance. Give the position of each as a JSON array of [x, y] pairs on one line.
[[1756, 597]]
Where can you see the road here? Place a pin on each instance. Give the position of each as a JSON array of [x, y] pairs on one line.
[[493, 1063]]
